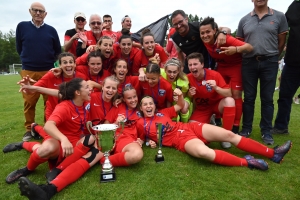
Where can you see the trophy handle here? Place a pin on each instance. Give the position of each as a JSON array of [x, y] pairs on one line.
[[89, 125]]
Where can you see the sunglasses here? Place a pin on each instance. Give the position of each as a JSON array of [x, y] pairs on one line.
[[94, 23], [78, 19]]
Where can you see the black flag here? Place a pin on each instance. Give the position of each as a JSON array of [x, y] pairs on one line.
[[158, 29]]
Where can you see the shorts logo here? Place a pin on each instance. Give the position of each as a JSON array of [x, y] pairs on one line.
[[161, 92], [96, 104], [238, 86], [55, 84]]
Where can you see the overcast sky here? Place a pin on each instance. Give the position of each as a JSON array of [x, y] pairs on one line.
[[61, 12]]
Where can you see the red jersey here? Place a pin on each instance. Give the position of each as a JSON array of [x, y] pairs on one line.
[[52, 82], [130, 60], [131, 115], [134, 81], [91, 40], [70, 119], [111, 34], [82, 60], [147, 127], [84, 69], [161, 92], [99, 108], [226, 60], [68, 35], [141, 60], [203, 98]]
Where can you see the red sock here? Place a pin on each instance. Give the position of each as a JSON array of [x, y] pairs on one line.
[[79, 151], [71, 174], [238, 111], [40, 130], [227, 159], [35, 160], [28, 146], [252, 146], [117, 160], [228, 117]]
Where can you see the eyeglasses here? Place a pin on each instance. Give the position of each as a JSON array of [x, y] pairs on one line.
[[179, 23], [78, 19], [94, 23], [37, 10], [107, 21]]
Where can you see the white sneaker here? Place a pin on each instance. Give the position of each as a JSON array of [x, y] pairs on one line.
[[277, 88], [296, 100], [225, 145]]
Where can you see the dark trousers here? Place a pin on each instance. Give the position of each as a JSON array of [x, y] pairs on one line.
[[290, 81], [265, 71]]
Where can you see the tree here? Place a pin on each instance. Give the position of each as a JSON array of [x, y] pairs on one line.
[[8, 52]]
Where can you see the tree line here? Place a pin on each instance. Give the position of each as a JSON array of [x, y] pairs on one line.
[[8, 52]]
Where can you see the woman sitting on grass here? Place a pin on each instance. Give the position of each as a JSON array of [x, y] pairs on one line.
[[193, 137]]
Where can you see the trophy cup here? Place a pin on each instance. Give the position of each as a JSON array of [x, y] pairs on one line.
[[105, 134], [159, 156]]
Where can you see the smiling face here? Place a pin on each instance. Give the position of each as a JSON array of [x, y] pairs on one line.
[[80, 22], [152, 79], [106, 47], [180, 24], [260, 3], [121, 70], [127, 23], [126, 46], [67, 64], [95, 65], [85, 91], [148, 107], [195, 67], [148, 45], [207, 34], [109, 89], [96, 24], [130, 98], [172, 72]]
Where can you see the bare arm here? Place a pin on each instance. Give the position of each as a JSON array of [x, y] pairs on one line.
[[281, 42], [68, 44], [180, 103], [51, 128]]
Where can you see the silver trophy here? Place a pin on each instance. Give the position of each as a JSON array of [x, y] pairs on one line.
[[159, 156], [106, 137]]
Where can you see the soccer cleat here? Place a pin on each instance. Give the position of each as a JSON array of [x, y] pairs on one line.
[[34, 133], [212, 120], [245, 134], [235, 129], [278, 131], [36, 192], [256, 163], [280, 151], [27, 136], [15, 175], [51, 175], [13, 147], [225, 145], [267, 139]]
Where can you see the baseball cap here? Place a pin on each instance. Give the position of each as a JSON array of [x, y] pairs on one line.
[[126, 16], [79, 14]]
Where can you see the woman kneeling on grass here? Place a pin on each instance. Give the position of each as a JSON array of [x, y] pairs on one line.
[[192, 137]]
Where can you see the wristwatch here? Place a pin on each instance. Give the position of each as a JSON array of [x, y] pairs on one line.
[[224, 32]]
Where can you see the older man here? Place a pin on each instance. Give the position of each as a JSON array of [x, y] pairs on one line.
[[72, 35], [91, 37], [38, 45], [265, 29]]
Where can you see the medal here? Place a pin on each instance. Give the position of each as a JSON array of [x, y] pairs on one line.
[[204, 82], [147, 144]]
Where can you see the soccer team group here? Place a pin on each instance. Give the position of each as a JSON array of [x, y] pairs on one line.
[[107, 78]]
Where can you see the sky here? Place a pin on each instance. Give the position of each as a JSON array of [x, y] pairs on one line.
[[61, 12]]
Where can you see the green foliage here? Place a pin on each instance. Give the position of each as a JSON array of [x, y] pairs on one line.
[[180, 176], [8, 52]]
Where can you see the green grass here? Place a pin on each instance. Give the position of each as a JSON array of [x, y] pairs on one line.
[[179, 177]]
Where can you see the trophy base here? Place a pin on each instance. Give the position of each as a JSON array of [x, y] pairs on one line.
[[107, 177], [159, 159]]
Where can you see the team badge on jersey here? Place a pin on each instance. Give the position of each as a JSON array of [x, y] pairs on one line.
[[87, 107], [159, 114], [161, 92]]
